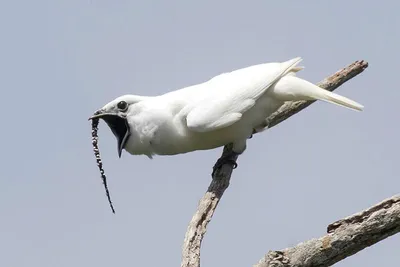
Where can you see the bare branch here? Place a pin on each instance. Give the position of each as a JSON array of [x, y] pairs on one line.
[[345, 238], [220, 181]]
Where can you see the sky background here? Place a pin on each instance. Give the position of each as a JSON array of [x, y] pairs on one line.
[[62, 60]]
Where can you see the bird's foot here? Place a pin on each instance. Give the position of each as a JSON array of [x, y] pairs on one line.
[[225, 159]]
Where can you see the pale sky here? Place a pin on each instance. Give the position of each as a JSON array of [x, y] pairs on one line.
[[62, 60]]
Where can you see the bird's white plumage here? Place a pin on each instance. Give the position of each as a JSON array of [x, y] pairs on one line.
[[232, 94], [222, 110]]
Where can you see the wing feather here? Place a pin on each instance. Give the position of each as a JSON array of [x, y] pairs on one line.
[[229, 95]]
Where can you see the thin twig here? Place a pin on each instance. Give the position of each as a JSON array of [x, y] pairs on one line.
[[220, 181]]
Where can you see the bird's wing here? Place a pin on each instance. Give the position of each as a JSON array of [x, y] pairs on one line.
[[227, 96]]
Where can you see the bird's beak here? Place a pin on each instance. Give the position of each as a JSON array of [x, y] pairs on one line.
[[118, 125]]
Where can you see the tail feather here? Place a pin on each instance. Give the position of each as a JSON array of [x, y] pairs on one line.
[[292, 88], [333, 98]]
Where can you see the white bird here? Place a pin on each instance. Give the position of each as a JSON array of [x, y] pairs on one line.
[[226, 109]]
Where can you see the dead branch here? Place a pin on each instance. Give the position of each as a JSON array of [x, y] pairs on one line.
[[345, 237]]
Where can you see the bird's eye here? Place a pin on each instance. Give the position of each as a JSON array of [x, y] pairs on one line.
[[122, 105]]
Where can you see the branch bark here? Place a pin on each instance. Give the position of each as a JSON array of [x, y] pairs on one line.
[[221, 178], [345, 238]]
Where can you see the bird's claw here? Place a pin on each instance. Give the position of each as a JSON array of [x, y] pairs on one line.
[[254, 132], [222, 161]]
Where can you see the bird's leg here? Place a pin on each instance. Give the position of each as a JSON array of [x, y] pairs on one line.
[[228, 158]]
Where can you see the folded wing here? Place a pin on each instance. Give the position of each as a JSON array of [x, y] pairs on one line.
[[229, 95]]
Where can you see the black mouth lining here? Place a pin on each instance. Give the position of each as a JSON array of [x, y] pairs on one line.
[[119, 127], [116, 124]]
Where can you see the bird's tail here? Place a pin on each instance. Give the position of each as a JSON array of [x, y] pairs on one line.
[[291, 88]]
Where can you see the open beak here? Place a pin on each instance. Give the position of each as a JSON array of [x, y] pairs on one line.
[[118, 125]]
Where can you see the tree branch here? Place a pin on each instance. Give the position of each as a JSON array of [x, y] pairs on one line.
[[345, 238], [220, 180]]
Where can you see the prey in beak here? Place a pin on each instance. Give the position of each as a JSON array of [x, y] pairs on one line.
[[118, 125]]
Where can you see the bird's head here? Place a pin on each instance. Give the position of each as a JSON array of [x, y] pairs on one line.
[[115, 115]]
